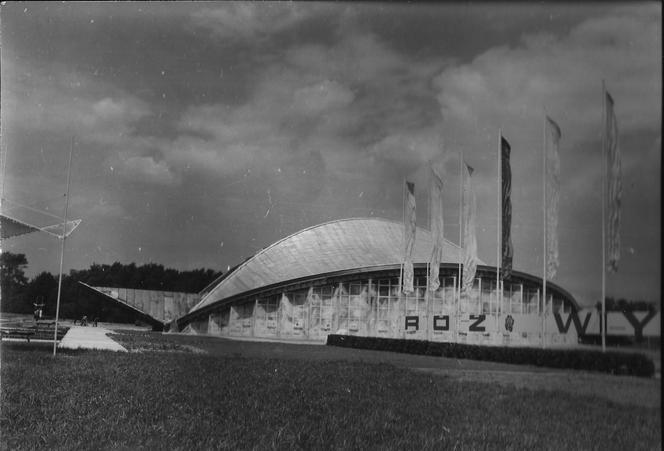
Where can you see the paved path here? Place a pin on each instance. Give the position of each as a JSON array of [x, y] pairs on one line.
[[88, 337]]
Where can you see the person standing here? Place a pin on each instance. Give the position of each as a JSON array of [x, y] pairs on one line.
[[38, 308]]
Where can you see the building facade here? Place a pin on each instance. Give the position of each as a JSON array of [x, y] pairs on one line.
[[344, 277]]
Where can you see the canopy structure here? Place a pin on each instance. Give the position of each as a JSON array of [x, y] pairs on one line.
[[11, 227], [155, 307], [340, 245]]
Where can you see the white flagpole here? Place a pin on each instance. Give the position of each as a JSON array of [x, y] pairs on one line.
[[544, 226], [500, 209], [604, 169], [403, 221], [460, 242], [428, 294], [403, 214], [62, 250]]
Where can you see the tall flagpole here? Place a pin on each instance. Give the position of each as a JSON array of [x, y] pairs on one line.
[[403, 221], [499, 215], [604, 169], [3, 157], [456, 321], [544, 255], [428, 294], [62, 250]]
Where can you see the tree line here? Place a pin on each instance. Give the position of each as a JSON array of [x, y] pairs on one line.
[[624, 305], [20, 294]]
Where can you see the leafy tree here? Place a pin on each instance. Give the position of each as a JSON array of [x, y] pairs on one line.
[[43, 288], [77, 301], [626, 305], [13, 282]]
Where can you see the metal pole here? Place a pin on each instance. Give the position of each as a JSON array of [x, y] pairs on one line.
[[544, 256], [603, 316], [403, 212], [499, 214], [403, 221], [3, 156], [428, 294], [62, 250], [461, 243]]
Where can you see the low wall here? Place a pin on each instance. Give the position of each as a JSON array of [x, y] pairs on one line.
[[556, 329]]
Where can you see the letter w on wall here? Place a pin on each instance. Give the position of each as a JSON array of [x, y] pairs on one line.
[[573, 317]]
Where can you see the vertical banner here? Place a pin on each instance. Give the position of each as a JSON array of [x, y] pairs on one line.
[[469, 236], [436, 194], [506, 183], [409, 238], [551, 144], [286, 314], [615, 183]]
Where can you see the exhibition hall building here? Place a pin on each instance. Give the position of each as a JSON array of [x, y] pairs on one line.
[[344, 277]]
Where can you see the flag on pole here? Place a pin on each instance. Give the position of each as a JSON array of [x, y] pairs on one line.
[[615, 183], [436, 229], [286, 311], [469, 237], [551, 143], [409, 238], [506, 182]]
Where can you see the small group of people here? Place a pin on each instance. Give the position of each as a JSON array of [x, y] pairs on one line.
[[39, 311], [84, 321]]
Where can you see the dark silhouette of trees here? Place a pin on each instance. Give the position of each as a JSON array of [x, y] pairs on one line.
[[42, 289], [18, 294], [624, 305], [13, 282], [151, 276]]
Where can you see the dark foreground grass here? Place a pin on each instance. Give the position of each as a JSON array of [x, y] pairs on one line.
[[106, 400]]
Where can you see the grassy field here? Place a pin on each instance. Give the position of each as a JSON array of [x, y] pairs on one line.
[[181, 392]]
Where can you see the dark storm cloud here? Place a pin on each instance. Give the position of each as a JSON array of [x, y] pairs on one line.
[[206, 131]]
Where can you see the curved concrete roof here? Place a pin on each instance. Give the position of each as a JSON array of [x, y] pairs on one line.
[[340, 245]]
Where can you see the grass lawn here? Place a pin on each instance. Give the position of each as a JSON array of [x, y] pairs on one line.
[[238, 395]]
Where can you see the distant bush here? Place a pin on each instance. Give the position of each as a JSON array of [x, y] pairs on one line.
[[609, 362]]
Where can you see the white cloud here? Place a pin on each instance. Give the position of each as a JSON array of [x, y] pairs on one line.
[[509, 89], [350, 102], [410, 149], [106, 211], [61, 100], [510, 86], [323, 96], [109, 109], [251, 20], [147, 169], [64, 102], [358, 57]]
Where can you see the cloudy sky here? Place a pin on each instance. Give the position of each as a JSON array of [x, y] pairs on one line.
[[204, 132]]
